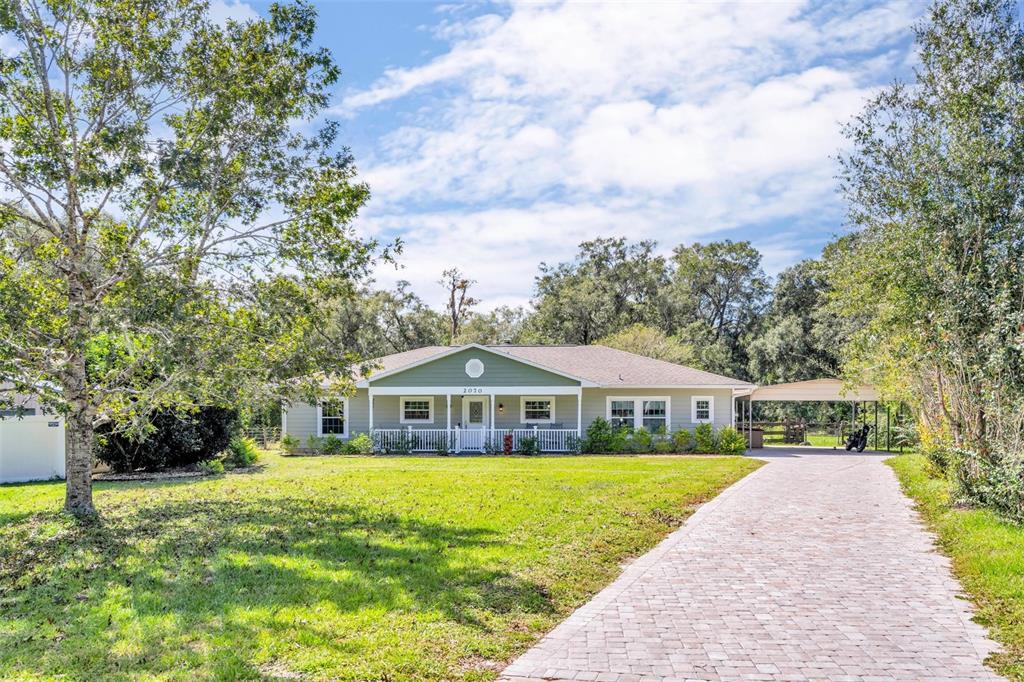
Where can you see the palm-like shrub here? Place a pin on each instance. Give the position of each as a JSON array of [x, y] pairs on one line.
[[731, 442], [704, 439]]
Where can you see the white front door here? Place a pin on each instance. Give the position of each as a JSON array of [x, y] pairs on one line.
[[475, 419]]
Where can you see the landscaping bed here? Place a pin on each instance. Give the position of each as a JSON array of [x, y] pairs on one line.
[[354, 568]]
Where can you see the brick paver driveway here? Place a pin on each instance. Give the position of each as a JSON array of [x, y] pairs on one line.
[[815, 567]]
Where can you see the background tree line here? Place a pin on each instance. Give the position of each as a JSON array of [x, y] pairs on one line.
[[709, 306]]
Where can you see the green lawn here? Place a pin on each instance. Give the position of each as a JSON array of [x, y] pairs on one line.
[[329, 568], [823, 440], [987, 554]]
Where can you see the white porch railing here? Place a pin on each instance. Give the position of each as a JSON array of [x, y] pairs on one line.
[[413, 440], [470, 440]]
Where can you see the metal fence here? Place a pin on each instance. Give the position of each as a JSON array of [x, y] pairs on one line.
[[264, 436]]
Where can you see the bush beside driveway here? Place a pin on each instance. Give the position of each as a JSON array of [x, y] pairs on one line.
[[987, 554]]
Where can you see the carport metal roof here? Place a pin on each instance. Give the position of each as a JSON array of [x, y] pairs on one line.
[[814, 390]]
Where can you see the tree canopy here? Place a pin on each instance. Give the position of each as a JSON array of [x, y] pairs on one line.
[[167, 198]]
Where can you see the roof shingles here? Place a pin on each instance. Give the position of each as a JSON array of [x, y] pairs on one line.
[[597, 364]]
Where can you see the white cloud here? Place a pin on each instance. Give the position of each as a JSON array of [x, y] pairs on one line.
[[9, 46], [559, 122], [222, 10]]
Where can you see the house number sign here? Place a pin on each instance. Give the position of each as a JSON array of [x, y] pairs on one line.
[[471, 390]]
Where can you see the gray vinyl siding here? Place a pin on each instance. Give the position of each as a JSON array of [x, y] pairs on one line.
[[301, 421], [450, 370], [386, 414], [359, 412], [565, 413], [595, 404], [302, 417]]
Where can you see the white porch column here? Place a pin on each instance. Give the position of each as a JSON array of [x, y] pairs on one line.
[[750, 422], [491, 425], [579, 412], [448, 407], [369, 397]]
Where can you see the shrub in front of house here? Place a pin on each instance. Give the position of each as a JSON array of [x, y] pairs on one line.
[[175, 439], [241, 452], [574, 444], [290, 444], [362, 444], [642, 441], [620, 440], [731, 442], [682, 440], [529, 445], [664, 447], [493, 445], [600, 437], [704, 439], [332, 445]]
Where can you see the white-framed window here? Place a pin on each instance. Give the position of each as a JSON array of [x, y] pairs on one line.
[[537, 409], [332, 418], [650, 412], [702, 409], [622, 413], [417, 409], [655, 415]]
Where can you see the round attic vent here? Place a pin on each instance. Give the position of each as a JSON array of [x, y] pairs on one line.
[[474, 368]]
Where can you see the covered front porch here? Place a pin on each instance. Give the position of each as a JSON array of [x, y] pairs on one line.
[[471, 419]]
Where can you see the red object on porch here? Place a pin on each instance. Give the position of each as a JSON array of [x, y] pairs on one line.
[[506, 443]]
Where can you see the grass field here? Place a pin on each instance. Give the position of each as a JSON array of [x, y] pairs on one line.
[[329, 568], [818, 440], [987, 554]]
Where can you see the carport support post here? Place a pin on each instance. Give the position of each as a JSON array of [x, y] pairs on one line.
[[750, 422], [888, 430], [876, 425]]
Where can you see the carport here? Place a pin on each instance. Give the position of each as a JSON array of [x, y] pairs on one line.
[[864, 402]]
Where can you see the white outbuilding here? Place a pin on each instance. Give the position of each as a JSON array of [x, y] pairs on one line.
[[31, 443]]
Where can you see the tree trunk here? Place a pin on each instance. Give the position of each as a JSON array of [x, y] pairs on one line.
[[78, 442]]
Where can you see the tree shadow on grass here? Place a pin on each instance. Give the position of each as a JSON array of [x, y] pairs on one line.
[[145, 589]]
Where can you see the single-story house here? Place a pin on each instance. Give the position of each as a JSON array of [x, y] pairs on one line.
[[31, 442], [472, 395]]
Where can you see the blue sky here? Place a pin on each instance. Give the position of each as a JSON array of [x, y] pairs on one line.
[[495, 136]]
